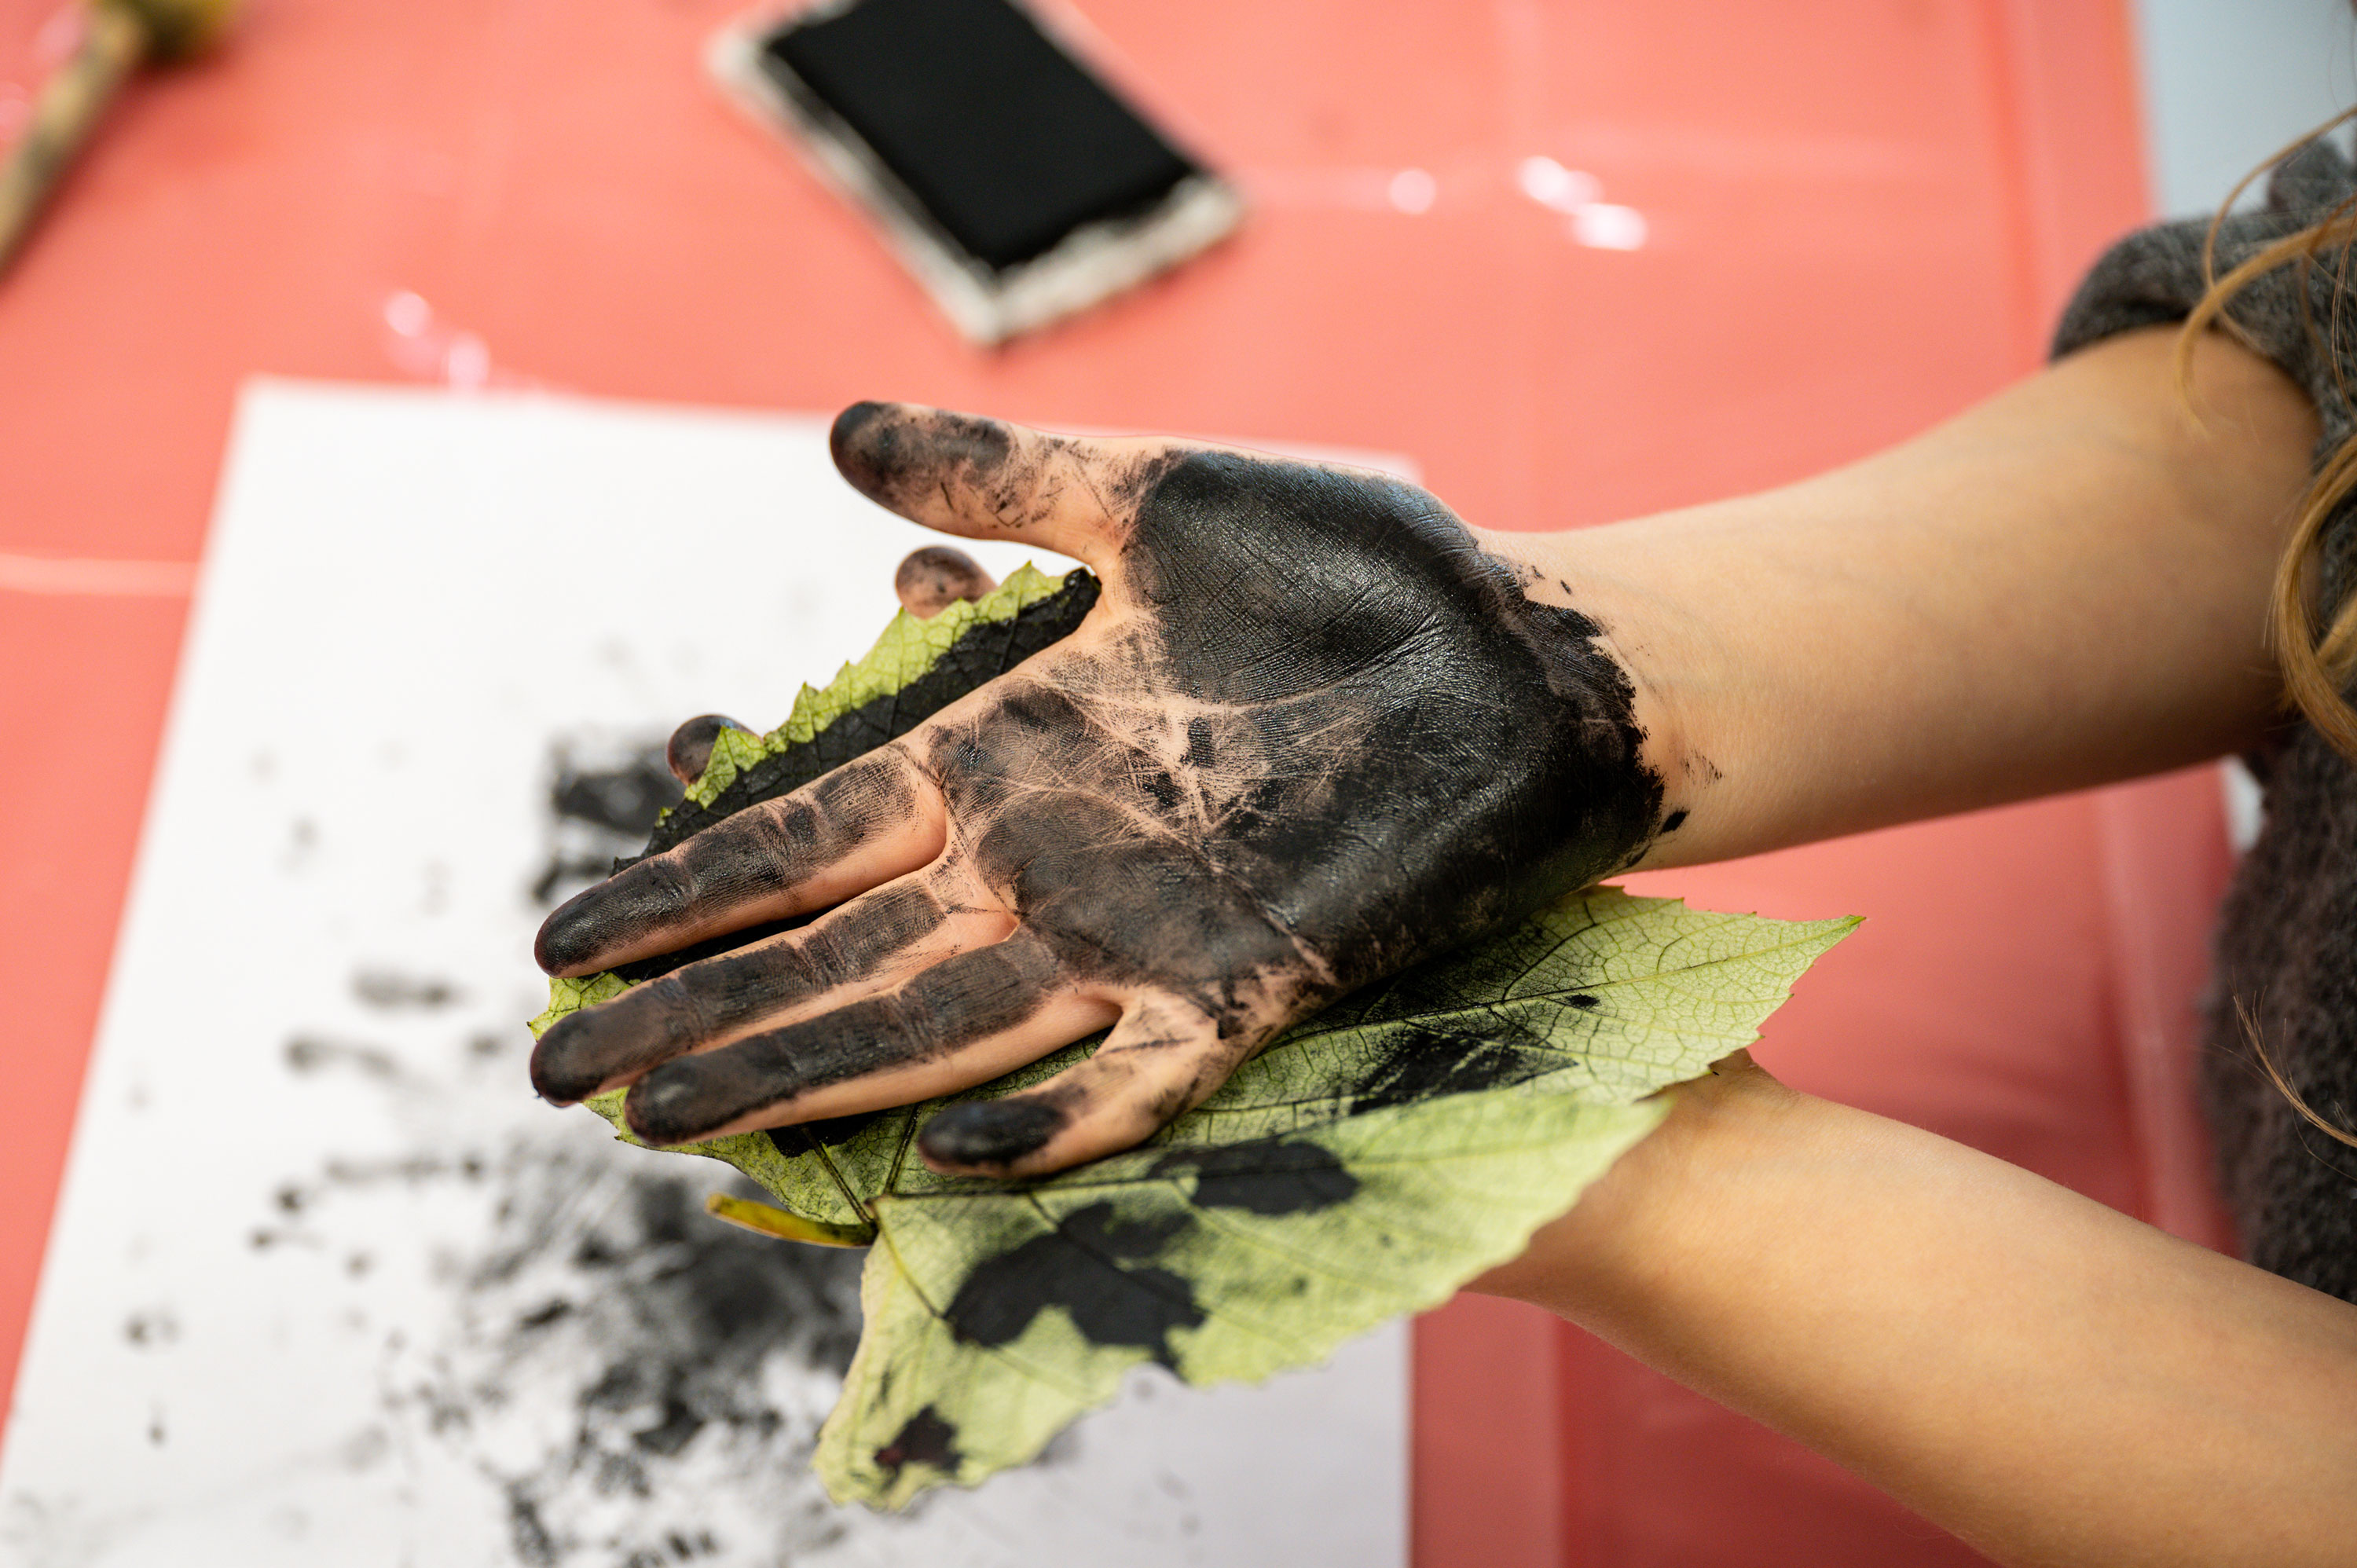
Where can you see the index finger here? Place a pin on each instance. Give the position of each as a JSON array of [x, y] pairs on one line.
[[871, 820]]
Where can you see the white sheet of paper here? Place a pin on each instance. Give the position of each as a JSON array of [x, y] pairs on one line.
[[327, 1284]]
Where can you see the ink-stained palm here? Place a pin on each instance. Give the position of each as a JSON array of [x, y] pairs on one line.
[[1309, 733]]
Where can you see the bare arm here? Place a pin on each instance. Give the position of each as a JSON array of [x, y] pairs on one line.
[[2063, 586], [1315, 729], [2051, 1381]]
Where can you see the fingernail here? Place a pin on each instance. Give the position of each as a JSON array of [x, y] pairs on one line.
[[989, 1132], [935, 577], [689, 751]]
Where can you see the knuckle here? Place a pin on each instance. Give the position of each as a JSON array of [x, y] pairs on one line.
[[675, 1010], [672, 884]]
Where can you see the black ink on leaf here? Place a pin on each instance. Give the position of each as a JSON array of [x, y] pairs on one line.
[[1421, 1066], [1269, 1176], [1086, 1266], [927, 1439]]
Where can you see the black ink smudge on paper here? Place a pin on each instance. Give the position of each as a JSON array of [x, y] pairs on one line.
[[664, 1346], [604, 798], [392, 989]]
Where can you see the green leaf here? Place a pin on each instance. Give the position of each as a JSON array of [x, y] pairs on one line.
[[1364, 1165], [567, 996], [994, 1316], [908, 649]]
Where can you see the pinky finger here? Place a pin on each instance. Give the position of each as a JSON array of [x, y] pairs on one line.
[[1160, 1061]]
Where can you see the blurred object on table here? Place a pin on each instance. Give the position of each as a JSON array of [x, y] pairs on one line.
[[117, 37], [1005, 172]]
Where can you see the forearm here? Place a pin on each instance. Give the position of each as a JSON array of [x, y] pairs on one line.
[[2063, 586], [2050, 1379]]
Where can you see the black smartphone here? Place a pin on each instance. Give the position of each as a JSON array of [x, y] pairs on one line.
[[1013, 181]]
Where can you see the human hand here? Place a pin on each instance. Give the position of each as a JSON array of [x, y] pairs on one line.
[[928, 581], [1311, 733]]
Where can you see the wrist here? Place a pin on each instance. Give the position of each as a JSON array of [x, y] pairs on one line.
[[1610, 1252], [1663, 651]]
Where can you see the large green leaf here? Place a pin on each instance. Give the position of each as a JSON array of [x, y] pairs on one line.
[[1366, 1164], [994, 1316]]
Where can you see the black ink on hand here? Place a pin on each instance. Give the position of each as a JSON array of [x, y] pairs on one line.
[[1309, 733]]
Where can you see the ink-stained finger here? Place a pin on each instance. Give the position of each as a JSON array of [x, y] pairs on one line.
[[875, 940], [1160, 1061], [690, 747], [932, 578], [964, 1021], [869, 821], [987, 479]]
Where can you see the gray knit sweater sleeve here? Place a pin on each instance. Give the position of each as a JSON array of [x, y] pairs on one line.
[[2287, 944], [2156, 277]]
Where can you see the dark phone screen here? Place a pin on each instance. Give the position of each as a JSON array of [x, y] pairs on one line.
[[1005, 140]]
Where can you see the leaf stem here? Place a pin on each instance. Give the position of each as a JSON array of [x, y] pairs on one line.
[[841, 1186], [900, 1154]]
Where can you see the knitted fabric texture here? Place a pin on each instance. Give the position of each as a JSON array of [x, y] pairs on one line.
[[2286, 943]]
